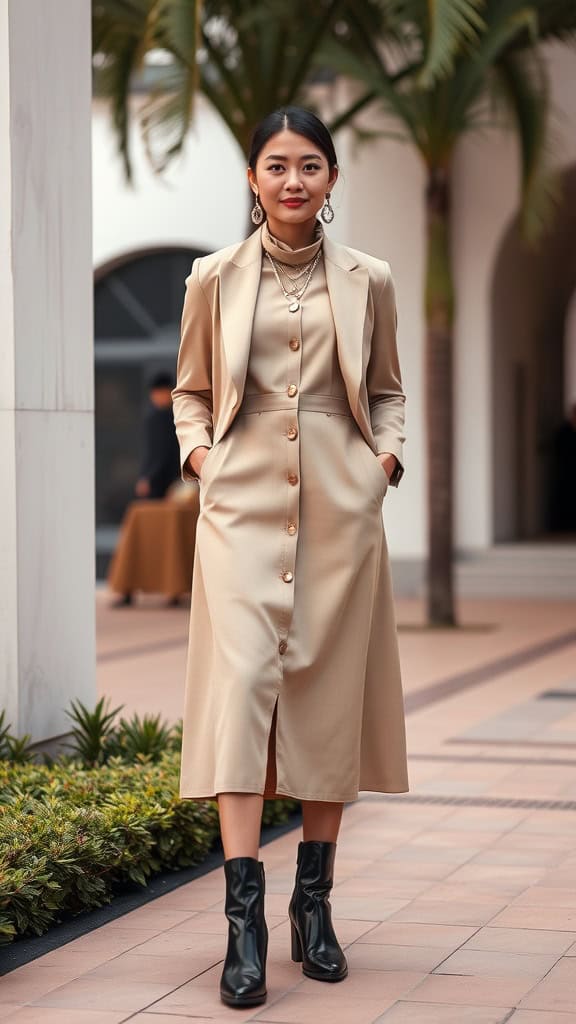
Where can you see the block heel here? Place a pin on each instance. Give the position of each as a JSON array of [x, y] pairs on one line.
[[296, 946]]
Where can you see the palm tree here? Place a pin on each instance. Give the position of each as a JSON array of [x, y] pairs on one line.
[[246, 58], [457, 64]]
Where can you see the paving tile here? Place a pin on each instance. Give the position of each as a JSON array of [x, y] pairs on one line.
[[446, 837], [364, 908], [440, 912], [194, 1000], [78, 962], [502, 875], [487, 963], [546, 896], [366, 984], [111, 940], [433, 936], [557, 919], [104, 994], [540, 1017], [151, 916], [192, 897], [470, 991], [451, 854], [302, 1008], [50, 1015], [372, 956], [174, 970], [33, 980], [557, 991], [503, 855], [549, 821], [497, 820], [394, 887], [563, 844], [561, 878], [405, 1012], [171, 942], [521, 940], [431, 870], [167, 1018], [479, 892]]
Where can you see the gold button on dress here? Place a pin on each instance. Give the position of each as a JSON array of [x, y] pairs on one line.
[[292, 493]]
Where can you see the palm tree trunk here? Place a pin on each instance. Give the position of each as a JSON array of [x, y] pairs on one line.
[[439, 307]]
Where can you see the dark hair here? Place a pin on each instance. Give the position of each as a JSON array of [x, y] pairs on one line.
[[162, 379], [298, 120]]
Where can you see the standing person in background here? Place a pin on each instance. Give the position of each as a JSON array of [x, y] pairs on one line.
[[160, 465], [289, 410]]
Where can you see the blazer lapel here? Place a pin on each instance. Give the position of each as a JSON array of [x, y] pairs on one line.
[[347, 284], [239, 283]]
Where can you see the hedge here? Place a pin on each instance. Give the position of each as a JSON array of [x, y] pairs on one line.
[[72, 836]]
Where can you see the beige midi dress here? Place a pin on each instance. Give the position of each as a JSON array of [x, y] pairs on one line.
[[292, 626]]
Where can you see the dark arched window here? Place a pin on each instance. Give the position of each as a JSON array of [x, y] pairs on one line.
[[137, 309]]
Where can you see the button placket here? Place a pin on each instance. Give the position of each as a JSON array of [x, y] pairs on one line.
[[291, 434]]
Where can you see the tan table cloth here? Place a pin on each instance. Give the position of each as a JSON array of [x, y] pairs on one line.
[[155, 551]]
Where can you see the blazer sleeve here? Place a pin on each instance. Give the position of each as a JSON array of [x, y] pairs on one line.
[[192, 395], [386, 398]]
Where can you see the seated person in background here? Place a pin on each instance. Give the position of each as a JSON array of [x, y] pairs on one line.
[[160, 465]]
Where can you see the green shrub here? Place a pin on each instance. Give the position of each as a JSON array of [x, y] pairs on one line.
[[13, 748], [97, 737], [94, 731], [72, 837]]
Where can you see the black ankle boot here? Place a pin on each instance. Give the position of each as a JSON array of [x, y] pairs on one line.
[[243, 980], [314, 943]]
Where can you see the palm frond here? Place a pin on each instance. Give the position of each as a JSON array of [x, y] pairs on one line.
[[521, 81], [556, 19], [375, 78], [119, 34], [446, 27]]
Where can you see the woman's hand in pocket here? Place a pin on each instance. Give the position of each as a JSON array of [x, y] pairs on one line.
[[388, 463], [196, 459]]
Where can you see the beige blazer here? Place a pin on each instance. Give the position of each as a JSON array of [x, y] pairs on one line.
[[217, 320]]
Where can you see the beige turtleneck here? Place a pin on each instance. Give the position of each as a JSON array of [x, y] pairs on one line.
[[293, 348]]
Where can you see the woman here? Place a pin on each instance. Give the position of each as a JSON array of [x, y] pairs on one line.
[[289, 411]]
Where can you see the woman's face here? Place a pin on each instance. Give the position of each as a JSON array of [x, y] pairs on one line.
[[291, 178]]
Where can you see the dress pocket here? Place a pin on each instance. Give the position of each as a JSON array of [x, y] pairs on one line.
[[376, 469], [206, 466]]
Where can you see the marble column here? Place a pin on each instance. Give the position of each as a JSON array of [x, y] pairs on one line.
[[47, 634]]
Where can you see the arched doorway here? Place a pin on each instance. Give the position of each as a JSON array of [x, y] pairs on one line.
[[531, 297], [137, 309]]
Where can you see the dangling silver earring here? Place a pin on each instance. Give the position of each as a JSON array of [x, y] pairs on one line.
[[327, 212], [257, 213]]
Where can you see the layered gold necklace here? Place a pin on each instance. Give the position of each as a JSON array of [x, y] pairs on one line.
[[293, 285]]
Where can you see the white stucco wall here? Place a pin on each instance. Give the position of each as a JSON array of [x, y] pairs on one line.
[[201, 200]]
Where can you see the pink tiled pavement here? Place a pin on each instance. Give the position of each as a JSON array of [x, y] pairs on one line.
[[455, 908]]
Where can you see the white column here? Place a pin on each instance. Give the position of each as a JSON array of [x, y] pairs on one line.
[[47, 641]]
